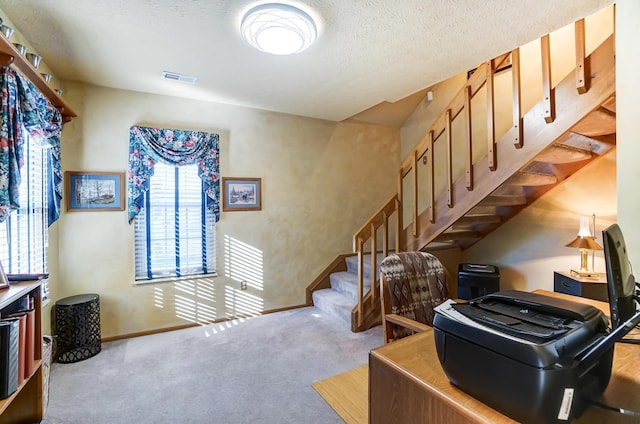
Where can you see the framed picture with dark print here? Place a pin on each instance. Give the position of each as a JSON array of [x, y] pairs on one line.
[[241, 194], [94, 191], [4, 281]]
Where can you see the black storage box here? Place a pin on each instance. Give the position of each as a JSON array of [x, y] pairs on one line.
[[475, 280], [532, 357]]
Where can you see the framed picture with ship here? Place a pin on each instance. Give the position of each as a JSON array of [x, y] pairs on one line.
[[241, 194]]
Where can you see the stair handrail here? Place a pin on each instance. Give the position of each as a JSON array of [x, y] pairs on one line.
[[441, 130], [369, 233]]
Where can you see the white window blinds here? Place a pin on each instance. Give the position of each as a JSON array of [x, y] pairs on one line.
[[24, 234], [174, 232]]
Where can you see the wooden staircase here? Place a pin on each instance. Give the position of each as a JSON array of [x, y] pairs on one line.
[[589, 139], [449, 207]]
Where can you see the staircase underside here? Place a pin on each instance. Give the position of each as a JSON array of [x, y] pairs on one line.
[[591, 138], [584, 129]]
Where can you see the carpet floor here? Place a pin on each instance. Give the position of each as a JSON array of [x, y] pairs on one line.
[[254, 370]]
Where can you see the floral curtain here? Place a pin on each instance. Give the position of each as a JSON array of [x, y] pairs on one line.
[[150, 145], [24, 106]]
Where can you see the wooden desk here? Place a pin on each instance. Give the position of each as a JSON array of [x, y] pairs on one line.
[[407, 385]]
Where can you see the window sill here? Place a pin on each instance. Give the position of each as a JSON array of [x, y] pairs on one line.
[[174, 279]]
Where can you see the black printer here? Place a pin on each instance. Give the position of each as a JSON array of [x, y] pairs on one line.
[[535, 358]]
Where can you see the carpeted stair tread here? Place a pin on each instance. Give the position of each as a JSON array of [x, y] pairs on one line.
[[342, 297], [334, 303], [347, 283], [352, 264]]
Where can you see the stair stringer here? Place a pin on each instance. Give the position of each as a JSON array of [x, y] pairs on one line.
[[571, 107]]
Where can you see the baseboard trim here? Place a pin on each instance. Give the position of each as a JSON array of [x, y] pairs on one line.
[[196, 324]]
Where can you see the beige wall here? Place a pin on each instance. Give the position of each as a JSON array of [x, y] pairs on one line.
[[321, 180], [628, 125]]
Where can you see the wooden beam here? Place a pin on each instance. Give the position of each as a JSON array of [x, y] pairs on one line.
[[599, 122], [399, 231], [478, 219], [598, 146], [517, 98], [454, 235], [582, 76], [449, 139], [469, 135], [374, 267], [415, 193], [559, 153], [9, 55], [532, 179], [610, 104], [504, 200], [491, 123], [359, 306], [548, 99], [432, 184]]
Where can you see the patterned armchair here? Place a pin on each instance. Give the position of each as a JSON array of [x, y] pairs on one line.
[[412, 284]]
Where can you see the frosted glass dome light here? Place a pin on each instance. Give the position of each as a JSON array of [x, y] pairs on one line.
[[278, 29]]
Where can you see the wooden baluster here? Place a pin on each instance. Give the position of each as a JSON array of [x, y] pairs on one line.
[[449, 138], [374, 259], [469, 134], [432, 187], [385, 236], [360, 281], [415, 193], [583, 79], [398, 225], [547, 87], [491, 123], [517, 98], [400, 211]]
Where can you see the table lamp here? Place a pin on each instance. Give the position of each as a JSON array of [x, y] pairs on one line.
[[584, 242]]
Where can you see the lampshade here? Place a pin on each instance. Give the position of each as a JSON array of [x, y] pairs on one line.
[[584, 230], [584, 243], [278, 29]]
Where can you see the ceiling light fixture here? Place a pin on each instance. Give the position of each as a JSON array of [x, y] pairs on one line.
[[278, 29]]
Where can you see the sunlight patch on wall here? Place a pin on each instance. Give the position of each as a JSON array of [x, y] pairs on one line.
[[195, 300], [243, 262], [158, 298], [239, 302]]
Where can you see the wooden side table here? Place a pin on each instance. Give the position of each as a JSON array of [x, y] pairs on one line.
[[591, 287]]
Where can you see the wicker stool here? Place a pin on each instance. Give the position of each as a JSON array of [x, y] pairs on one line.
[[78, 327]]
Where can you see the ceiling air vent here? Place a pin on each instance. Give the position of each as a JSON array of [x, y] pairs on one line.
[[172, 76]]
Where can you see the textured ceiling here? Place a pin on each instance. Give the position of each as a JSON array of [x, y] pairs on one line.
[[368, 51]]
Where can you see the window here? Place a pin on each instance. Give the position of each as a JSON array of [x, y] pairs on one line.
[[24, 234], [174, 231]]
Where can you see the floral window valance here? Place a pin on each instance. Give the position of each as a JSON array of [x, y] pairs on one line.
[[25, 107], [150, 145]]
